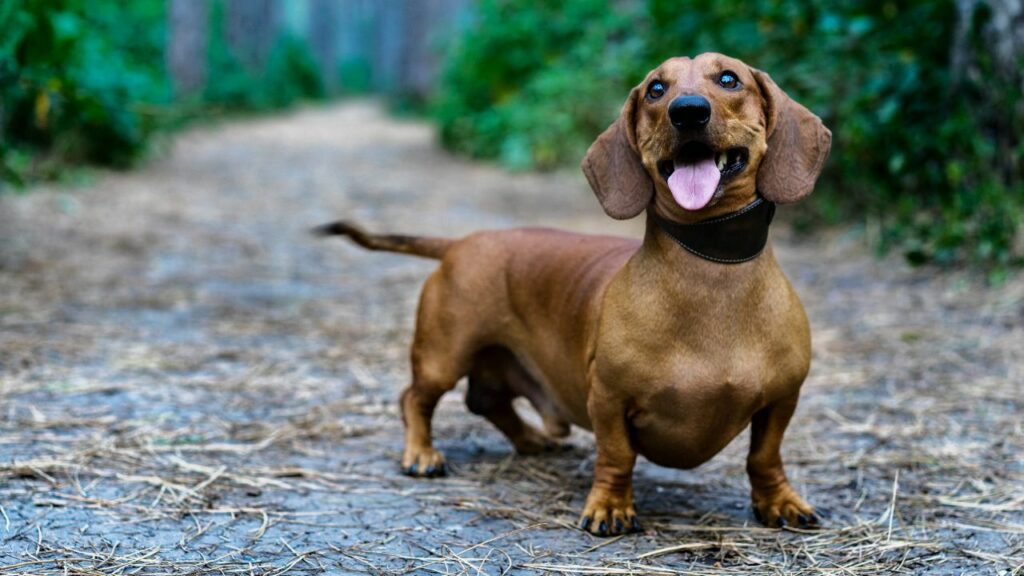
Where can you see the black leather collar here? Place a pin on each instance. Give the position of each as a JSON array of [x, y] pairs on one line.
[[736, 237]]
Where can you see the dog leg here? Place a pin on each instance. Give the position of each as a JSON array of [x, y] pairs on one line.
[[609, 508], [490, 395], [440, 357], [554, 425], [418, 402], [523, 384], [775, 502]]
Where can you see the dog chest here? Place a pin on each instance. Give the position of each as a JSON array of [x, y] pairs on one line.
[[684, 423]]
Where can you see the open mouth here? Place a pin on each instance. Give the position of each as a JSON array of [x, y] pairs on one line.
[[698, 173]]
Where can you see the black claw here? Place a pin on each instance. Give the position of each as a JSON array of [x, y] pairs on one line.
[[430, 470], [781, 522], [635, 523], [443, 471], [813, 520], [803, 520], [412, 470], [619, 528], [602, 529], [757, 514], [585, 523]]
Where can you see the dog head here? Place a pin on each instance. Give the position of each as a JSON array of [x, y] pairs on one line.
[[702, 136]]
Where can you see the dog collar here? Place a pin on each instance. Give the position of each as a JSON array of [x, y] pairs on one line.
[[736, 237]]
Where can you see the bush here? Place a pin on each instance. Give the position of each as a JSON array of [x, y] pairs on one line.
[[931, 159], [84, 82], [290, 74], [531, 85], [73, 82]]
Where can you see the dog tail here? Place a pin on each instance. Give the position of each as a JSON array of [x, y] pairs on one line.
[[427, 247]]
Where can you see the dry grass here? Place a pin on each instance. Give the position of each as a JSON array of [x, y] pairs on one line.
[[188, 384]]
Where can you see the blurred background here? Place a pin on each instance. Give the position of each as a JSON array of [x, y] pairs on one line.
[[923, 96]]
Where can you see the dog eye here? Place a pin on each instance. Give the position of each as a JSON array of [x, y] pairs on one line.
[[655, 90], [729, 81]]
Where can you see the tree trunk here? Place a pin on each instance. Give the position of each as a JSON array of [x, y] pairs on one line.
[[251, 29], [426, 26], [323, 39], [187, 29], [417, 63], [999, 73], [390, 29]]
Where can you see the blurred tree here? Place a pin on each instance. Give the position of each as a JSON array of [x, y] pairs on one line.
[[251, 28], [427, 23], [323, 39], [187, 31], [390, 32], [417, 65], [355, 34], [988, 49]]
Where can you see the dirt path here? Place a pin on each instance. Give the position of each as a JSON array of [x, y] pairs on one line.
[[190, 383]]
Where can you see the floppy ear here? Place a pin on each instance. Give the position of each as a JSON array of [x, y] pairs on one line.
[[613, 167], [798, 144]]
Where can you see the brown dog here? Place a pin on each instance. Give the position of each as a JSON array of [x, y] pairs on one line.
[[667, 347]]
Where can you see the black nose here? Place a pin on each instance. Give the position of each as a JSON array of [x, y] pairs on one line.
[[689, 112]]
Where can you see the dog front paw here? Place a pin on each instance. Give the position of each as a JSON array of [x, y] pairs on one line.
[[608, 515], [781, 506], [423, 462]]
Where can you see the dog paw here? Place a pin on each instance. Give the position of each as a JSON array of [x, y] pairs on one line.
[[782, 506], [532, 442], [609, 516], [423, 463], [555, 426]]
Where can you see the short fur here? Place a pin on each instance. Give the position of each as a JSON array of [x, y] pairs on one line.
[[657, 351]]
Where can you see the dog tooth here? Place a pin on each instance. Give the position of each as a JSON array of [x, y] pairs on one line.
[[720, 160]]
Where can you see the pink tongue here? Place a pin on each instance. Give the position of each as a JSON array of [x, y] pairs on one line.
[[693, 185]]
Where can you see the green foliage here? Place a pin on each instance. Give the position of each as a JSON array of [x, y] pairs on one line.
[[289, 75], [84, 81], [935, 163], [513, 86], [73, 77], [355, 75]]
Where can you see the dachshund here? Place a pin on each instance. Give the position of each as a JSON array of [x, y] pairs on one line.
[[667, 347]]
